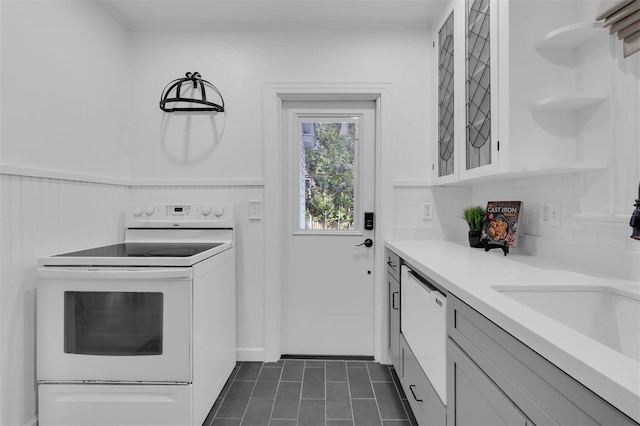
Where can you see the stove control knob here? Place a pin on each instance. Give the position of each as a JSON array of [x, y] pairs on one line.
[[206, 211], [149, 211], [218, 211], [137, 212]]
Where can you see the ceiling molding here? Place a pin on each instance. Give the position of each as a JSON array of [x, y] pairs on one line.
[[115, 12], [277, 26], [295, 15]]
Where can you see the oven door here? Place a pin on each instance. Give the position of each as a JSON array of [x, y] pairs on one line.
[[114, 324]]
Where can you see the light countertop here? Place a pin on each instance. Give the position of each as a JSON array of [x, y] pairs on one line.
[[470, 273]]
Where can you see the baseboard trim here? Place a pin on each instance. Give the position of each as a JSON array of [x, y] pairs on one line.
[[330, 357], [32, 421], [250, 354], [257, 353]]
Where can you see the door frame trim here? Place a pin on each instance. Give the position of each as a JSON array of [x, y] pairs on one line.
[[273, 96]]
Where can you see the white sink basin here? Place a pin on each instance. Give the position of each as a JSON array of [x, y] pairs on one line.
[[608, 315]]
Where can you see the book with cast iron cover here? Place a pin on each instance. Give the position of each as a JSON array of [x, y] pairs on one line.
[[501, 224]]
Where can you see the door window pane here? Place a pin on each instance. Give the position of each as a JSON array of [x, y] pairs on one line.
[[327, 175], [113, 323]]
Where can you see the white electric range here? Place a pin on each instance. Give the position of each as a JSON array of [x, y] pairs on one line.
[[140, 332]]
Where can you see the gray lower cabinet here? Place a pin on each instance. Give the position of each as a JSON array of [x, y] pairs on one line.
[[423, 398], [478, 401], [493, 379], [425, 403], [393, 288]]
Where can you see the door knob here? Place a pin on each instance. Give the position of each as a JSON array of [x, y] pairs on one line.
[[367, 243]]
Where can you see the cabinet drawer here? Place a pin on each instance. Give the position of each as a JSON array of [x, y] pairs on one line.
[[423, 399], [393, 264], [477, 400], [543, 392]]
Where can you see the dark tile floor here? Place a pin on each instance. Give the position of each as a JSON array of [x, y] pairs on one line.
[[297, 392]]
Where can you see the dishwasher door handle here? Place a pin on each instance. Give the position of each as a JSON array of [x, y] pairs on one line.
[[413, 393], [426, 283]]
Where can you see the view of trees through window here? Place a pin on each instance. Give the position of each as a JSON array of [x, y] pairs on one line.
[[328, 164]]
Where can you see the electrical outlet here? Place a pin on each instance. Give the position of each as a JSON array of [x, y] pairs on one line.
[[550, 214], [544, 214], [427, 211], [554, 214]]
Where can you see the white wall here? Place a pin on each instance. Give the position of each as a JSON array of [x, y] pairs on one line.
[[95, 121], [65, 100], [65, 88], [592, 233], [593, 246], [239, 64], [250, 246], [229, 148], [93, 110], [595, 207], [446, 223]]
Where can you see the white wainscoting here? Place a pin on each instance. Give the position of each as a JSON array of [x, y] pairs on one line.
[[42, 216], [250, 253], [39, 217]]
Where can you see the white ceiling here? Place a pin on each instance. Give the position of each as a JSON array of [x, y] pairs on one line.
[[247, 14]]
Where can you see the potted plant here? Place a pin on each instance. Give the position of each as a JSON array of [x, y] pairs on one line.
[[474, 216]]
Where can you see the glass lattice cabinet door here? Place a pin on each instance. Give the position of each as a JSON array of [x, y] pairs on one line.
[[480, 84], [446, 104]]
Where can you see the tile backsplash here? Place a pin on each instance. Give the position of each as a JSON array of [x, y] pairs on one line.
[[596, 243], [446, 205]]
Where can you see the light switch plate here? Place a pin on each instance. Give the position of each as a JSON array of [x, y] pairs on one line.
[[255, 210]]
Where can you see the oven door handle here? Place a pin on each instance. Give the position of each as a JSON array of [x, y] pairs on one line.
[[116, 273]]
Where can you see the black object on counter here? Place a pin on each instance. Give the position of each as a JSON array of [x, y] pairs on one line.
[[635, 218], [488, 246]]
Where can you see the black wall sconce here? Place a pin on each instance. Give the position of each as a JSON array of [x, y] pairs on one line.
[[173, 94]]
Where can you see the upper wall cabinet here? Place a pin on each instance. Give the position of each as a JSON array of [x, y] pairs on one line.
[[531, 82], [467, 54], [447, 160], [481, 88]]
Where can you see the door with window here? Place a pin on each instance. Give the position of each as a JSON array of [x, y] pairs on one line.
[[328, 303]]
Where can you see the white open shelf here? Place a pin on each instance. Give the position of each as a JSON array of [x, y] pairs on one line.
[[568, 102], [529, 172], [570, 36], [560, 168]]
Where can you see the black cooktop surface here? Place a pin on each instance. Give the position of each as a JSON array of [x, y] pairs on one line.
[[144, 250]]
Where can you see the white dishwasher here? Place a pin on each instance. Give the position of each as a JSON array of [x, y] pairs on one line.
[[423, 310]]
